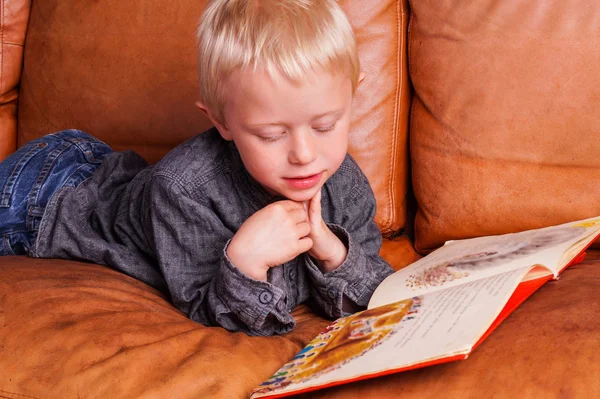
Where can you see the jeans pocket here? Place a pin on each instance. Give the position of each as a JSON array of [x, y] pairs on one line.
[[22, 157], [92, 149]]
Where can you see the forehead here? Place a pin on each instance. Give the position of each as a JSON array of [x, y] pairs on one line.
[[257, 93]]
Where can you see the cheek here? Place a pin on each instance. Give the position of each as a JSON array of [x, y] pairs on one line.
[[337, 146], [264, 167], [338, 158], [260, 161]]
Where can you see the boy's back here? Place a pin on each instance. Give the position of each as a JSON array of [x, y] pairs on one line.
[[105, 220]]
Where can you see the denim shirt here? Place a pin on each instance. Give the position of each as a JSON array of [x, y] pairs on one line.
[[169, 225]]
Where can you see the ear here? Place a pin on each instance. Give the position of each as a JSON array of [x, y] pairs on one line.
[[221, 127]]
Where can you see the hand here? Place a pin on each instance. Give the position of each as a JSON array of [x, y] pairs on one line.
[[272, 236], [327, 249]]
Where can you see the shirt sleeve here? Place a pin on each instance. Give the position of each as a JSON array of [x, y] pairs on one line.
[[190, 242], [363, 269]]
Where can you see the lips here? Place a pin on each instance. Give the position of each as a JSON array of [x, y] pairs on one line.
[[304, 182]]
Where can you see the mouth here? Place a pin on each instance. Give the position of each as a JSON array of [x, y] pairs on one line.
[[304, 182]]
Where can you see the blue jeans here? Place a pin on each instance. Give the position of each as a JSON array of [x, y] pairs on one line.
[[30, 176]]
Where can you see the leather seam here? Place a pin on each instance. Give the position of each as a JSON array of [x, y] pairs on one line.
[[390, 220], [18, 394], [11, 44], [2, 48], [398, 92]]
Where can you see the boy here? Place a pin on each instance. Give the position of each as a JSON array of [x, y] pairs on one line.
[[242, 223]]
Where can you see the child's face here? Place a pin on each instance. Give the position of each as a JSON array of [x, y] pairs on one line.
[[291, 136]]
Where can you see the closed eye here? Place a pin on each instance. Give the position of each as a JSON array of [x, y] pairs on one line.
[[325, 129], [270, 139]]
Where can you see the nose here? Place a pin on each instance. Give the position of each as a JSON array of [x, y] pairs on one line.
[[303, 148]]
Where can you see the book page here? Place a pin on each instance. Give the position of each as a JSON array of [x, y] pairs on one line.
[[417, 330], [463, 261]]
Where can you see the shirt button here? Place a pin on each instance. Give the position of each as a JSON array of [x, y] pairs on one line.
[[293, 274], [265, 297], [331, 292]]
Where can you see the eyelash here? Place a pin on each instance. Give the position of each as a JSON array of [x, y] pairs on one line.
[[270, 139], [320, 130], [326, 129]]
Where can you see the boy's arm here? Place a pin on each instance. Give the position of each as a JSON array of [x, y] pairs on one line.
[[349, 287], [190, 243]]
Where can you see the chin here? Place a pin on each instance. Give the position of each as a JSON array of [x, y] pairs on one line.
[[299, 197]]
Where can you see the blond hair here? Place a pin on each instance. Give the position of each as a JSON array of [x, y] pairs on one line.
[[291, 37]]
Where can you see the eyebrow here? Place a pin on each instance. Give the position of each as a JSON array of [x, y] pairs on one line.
[[334, 112]]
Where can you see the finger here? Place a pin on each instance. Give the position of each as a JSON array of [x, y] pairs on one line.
[[289, 205], [304, 245], [298, 215], [303, 229], [314, 213]]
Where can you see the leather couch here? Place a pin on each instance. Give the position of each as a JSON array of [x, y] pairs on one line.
[[473, 119]]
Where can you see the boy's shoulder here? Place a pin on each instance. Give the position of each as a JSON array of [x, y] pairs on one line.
[[196, 160]]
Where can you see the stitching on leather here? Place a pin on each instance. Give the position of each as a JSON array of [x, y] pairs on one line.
[[409, 31], [12, 44], [2, 49], [391, 185], [17, 394]]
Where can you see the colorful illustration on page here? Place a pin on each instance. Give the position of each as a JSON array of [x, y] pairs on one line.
[[588, 223], [341, 342], [493, 252]]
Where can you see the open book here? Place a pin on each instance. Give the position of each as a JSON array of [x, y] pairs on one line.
[[436, 310]]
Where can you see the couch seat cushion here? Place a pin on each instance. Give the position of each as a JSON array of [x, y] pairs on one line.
[[71, 329]]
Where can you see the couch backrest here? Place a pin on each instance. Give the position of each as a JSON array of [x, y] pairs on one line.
[[505, 125], [13, 25], [125, 72]]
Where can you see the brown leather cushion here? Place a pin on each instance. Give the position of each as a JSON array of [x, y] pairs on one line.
[[505, 125], [71, 330], [80, 330], [125, 72], [13, 25]]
